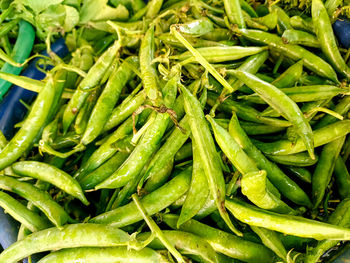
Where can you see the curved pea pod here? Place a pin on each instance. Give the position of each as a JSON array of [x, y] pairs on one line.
[[187, 244], [340, 217], [341, 30], [294, 52], [40, 199], [31, 220], [342, 178], [325, 35], [298, 37], [70, 236], [324, 169], [289, 77], [51, 174], [103, 255], [153, 202], [270, 20], [298, 159], [253, 24], [248, 8], [287, 224], [301, 173], [197, 27], [222, 54], [198, 193], [108, 98], [283, 22], [222, 242], [322, 136], [300, 23], [282, 104], [148, 144], [287, 186]]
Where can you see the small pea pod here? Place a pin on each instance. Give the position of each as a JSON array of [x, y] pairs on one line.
[[325, 35], [301, 173], [287, 224], [103, 255], [153, 202], [70, 236], [153, 8], [234, 12], [270, 20], [282, 104], [342, 178], [51, 174], [298, 159], [283, 18], [289, 77], [197, 27], [223, 242], [31, 220], [298, 37]]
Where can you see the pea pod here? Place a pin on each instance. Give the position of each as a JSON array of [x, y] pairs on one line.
[[300, 23], [287, 224], [298, 37], [197, 27], [282, 104], [301, 173], [289, 77], [298, 159], [234, 12], [283, 19], [51, 174], [342, 178], [70, 236], [270, 20]]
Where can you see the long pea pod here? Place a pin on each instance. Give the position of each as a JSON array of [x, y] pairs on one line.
[[287, 224], [325, 35], [54, 212], [287, 187], [51, 174], [295, 52], [222, 242], [253, 182], [234, 12], [299, 37], [289, 77], [282, 104], [342, 178], [298, 159], [76, 235]]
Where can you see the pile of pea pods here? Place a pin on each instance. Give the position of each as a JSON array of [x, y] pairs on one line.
[[187, 131]]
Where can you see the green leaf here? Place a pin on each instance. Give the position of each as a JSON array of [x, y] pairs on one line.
[[38, 5]]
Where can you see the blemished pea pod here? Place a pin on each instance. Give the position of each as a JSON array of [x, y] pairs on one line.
[[31, 127], [188, 244], [287, 186], [103, 255], [324, 170], [325, 35], [222, 242], [286, 224], [322, 136], [300, 23], [50, 174], [253, 182], [289, 77], [148, 73], [42, 200], [282, 104], [301, 173], [298, 159], [298, 37], [222, 54], [31, 220], [234, 12], [153, 202], [70, 236], [342, 178], [107, 100], [92, 79], [294, 52], [198, 193], [209, 157], [340, 217], [147, 145]]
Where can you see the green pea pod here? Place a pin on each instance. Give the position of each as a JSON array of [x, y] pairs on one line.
[[301, 173], [282, 104], [299, 23], [298, 159], [234, 12], [153, 8], [342, 178], [198, 192], [147, 145], [340, 217], [70, 236], [31, 127], [153, 202], [107, 100], [324, 169], [287, 224], [188, 244], [325, 35], [294, 52], [210, 159], [287, 186], [103, 255], [298, 37], [197, 27], [22, 214], [322, 136], [271, 240], [252, 23], [51, 174], [289, 77], [222, 54], [270, 20], [283, 18], [40, 199], [223, 242]]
